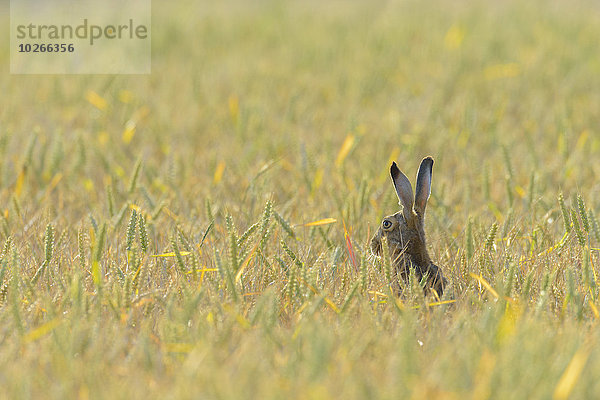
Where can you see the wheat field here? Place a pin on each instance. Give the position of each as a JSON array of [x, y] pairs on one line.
[[203, 231]]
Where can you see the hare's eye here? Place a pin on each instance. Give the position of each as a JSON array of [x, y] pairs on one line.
[[387, 224]]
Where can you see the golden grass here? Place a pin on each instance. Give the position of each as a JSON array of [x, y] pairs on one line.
[[203, 232]]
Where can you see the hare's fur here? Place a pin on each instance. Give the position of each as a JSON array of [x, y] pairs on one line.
[[405, 230]]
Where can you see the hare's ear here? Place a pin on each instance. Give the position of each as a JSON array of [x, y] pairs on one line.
[[423, 189], [403, 190]]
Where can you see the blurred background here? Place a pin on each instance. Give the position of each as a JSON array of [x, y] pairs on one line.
[[309, 102]]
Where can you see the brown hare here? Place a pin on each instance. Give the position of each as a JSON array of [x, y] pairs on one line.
[[405, 229]]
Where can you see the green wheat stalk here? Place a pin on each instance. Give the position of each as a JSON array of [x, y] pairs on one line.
[[577, 228], [509, 191], [508, 162], [183, 240], [143, 233], [233, 246], [583, 213], [565, 213], [349, 297], [595, 225], [291, 254], [491, 237], [157, 211], [264, 226], [208, 210], [178, 257], [246, 235], [97, 255], [363, 273], [6, 248], [531, 191], [134, 176], [110, 200], [121, 214], [284, 224], [14, 292], [131, 230], [81, 248], [292, 284], [48, 249], [470, 245]]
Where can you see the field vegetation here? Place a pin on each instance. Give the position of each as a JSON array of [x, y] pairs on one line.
[[202, 232]]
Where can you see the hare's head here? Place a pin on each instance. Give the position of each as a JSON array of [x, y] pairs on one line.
[[405, 230]]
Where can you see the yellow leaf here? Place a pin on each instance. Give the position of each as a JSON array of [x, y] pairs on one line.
[[393, 156], [238, 276], [119, 171], [171, 254], [454, 37], [508, 322], [244, 323], [96, 272], [143, 302], [129, 131], [170, 213], [241, 320], [520, 191], [344, 150], [318, 179], [349, 184], [41, 330], [203, 270], [234, 107], [494, 209], [569, 378], [441, 303], [20, 181], [485, 284], [582, 140], [219, 172], [55, 180], [125, 96], [88, 184], [53, 183], [435, 303], [296, 332], [323, 221], [103, 137], [330, 303], [96, 100]]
